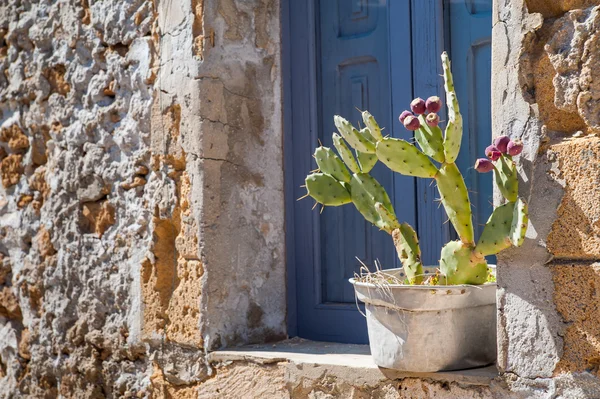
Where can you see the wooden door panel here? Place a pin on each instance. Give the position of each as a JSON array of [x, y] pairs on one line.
[[353, 75], [470, 44]]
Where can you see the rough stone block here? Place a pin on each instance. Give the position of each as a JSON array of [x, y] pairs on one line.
[[576, 232], [577, 298]]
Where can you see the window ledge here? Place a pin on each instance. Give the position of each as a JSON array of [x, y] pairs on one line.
[[345, 360]]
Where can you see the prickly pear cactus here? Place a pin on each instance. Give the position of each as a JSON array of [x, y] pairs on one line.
[[344, 178]]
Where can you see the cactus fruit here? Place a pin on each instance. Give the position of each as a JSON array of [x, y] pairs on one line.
[[403, 157], [345, 153], [366, 161], [453, 135], [501, 143], [403, 116], [506, 178], [409, 252], [514, 148], [326, 190], [461, 261], [417, 106], [411, 123], [432, 120], [492, 153], [433, 104], [370, 123], [356, 140], [430, 140], [459, 264], [483, 165], [330, 164], [455, 197]]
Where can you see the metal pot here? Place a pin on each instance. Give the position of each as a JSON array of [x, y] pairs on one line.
[[430, 328]]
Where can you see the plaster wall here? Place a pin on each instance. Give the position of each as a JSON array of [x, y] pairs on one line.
[[141, 198]]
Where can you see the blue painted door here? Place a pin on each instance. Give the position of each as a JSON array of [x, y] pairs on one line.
[[344, 55], [471, 51]]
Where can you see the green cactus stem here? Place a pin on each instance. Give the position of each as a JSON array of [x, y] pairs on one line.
[[403, 157], [326, 190], [455, 198], [365, 192], [356, 140], [430, 140], [370, 122], [496, 233], [409, 252], [519, 223], [505, 174], [330, 164], [389, 220], [454, 127], [366, 161], [459, 264], [365, 132], [345, 153]]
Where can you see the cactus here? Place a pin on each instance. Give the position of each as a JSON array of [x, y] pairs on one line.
[[459, 264], [370, 122], [345, 153], [357, 140], [453, 135], [409, 252], [366, 161], [506, 177], [403, 157], [326, 190], [341, 181], [365, 193], [330, 164], [430, 139], [455, 197], [496, 234]]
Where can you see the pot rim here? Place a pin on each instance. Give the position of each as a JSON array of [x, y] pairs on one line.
[[353, 281]]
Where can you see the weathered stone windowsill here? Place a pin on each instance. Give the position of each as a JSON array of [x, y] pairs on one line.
[[345, 361]]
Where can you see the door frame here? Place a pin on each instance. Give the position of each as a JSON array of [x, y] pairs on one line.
[[299, 85]]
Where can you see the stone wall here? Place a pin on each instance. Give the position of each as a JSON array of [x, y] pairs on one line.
[[141, 197], [546, 90]]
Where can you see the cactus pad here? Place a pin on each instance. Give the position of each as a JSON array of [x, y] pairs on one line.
[[430, 140], [370, 122], [388, 219], [518, 226], [403, 157], [507, 180], [459, 264], [330, 164], [345, 153], [454, 126], [356, 140], [327, 190], [496, 234], [366, 161], [455, 197], [366, 191], [409, 252]]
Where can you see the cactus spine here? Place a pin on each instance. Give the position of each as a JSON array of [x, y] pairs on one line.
[[341, 181]]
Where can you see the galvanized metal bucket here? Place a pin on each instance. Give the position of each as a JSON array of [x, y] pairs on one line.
[[430, 328]]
